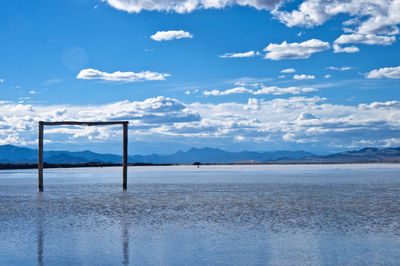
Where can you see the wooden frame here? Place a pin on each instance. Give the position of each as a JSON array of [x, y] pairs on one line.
[[79, 123]]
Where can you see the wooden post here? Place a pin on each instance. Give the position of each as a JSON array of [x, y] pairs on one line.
[[125, 157], [40, 158]]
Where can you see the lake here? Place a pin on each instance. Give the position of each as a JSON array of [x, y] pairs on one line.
[[184, 215]]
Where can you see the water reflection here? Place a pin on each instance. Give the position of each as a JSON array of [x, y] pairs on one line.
[[125, 233], [40, 235], [201, 221], [40, 245], [125, 244]]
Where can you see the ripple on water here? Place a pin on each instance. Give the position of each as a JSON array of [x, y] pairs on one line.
[[267, 219]]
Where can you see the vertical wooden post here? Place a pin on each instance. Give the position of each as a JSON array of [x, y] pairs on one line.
[[40, 158], [125, 157]]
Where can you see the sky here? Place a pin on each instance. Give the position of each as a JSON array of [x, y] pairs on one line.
[[259, 75]]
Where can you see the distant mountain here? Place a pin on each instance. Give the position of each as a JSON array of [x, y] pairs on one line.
[[79, 157], [14, 154], [366, 155], [210, 155]]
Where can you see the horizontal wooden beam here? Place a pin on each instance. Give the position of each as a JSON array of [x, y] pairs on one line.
[[81, 123]]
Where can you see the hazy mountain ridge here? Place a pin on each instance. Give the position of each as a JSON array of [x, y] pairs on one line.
[[14, 154], [365, 155], [210, 155]]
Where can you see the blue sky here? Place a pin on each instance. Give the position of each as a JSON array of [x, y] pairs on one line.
[[315, 75]]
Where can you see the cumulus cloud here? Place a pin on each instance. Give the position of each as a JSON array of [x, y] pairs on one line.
[[239, 55], [348, 49], [303, 120], [327, 76], [367, 16], [186, 6], [303, 76], [288, 70], [286, 123], [343, 68], [90, 73], [18, 122], [369, 22], [227, 92], [170, 35], [379, 105], [371, 39], [295, 50], [385, 72], [306, 116], [279, 91], [262, 90]]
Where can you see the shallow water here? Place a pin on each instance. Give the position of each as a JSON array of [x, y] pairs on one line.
[[173, 215]]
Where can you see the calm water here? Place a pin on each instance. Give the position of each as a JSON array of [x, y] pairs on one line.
[[183, 215]]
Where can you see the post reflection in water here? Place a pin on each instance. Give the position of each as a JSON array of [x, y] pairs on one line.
[[125, 244], [40, 236], [125, 232]]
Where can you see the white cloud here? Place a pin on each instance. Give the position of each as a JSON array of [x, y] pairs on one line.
[[279, 91], [170, 35], [327, 76], [263, 90], [227, 92], [281, 76], [1, 80], [303, 76], [367, 16], [121, 76], [370, 22], [288, 70], [303, 120], [186, 6], [239, 55], [344, 68], [18, 122], [371, 39], [288, 123], [253, 104], [295, 50], [347, 49], [386, 72], [306, 116], [378, 105], [33, 92]]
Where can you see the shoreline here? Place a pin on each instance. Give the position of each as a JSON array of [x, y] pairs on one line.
[[16, 166]]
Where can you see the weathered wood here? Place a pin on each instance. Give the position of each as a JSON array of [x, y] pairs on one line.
[[40, 158], [125, 157], [81, 123]]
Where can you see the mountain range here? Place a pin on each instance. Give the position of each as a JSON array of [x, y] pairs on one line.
[[13, 154]]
